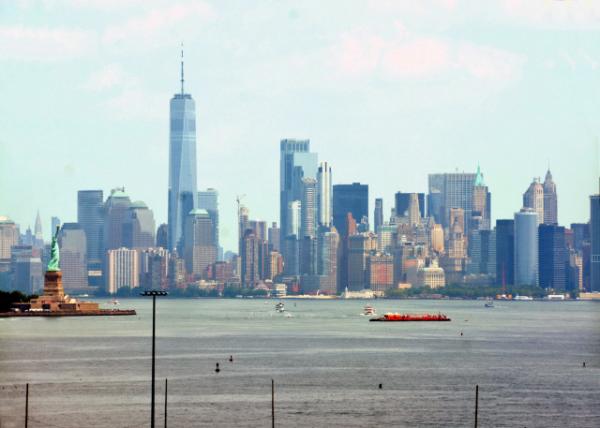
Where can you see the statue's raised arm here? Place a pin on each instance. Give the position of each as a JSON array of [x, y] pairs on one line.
[[54, 263]]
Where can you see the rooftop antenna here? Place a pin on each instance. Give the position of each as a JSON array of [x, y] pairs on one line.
[[182, 68]]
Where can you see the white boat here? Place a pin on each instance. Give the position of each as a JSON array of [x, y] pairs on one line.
[[279, 307], [523, 298], [368, 310]]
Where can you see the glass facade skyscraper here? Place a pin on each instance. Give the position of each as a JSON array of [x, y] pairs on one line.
[[455, 191], [182, 163], [349, 198], [526, 247], [296, 163], [90, 216]]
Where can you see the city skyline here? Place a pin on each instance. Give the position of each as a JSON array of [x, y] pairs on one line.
[[105, 89]]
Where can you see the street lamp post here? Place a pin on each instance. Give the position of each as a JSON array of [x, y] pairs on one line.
[[153, 293]]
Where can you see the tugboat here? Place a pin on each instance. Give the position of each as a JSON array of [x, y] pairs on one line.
[[411, 317], [368, 310], [279, 307]]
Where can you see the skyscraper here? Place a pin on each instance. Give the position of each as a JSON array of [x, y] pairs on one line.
[[534, 198], [38, 229], [526, 247], [327, 259], [309, 208], [182, 162], [482, 252], [209, 200], [199, 249], [359, 248], [550, 200], [378, 215], [162, 233], [553, 257], [414, 212], [73, 257], [482, 200], [26, 269], [402, 204], [274, 237], [455, 191], [90, 217], [250, 259], [380, 272], [122, 269], [505, 251], [116, 209], [9, 236], [293, 219], [349, 198], [595, 242], [139, 226], [325, 191], [296, 162]]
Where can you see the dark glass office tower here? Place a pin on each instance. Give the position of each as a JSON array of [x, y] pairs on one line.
[[349, 198], [553, 257], [182, 162], [505, 251]]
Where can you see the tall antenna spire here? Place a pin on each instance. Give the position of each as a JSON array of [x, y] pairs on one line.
[[182, 68]]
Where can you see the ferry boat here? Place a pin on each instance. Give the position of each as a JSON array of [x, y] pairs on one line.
[[523, 298], [279, 307], [411, 317], [368, 310]]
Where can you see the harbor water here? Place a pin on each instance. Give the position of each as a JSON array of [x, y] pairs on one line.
[[326, 359]]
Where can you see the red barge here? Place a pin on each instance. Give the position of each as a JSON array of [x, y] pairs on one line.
[[411, 317]]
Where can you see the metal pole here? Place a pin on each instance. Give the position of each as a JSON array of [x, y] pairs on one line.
[[166, 389], [476, 403], [272, 403], [26, 405], [153, 353]]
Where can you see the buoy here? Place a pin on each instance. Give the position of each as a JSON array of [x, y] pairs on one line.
[[380, 386], [231, 358], [217, 369]]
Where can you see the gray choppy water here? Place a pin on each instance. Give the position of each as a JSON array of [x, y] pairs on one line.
[[326, 360]]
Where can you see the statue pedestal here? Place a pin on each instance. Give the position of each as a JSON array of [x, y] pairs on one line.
[[53, 284]]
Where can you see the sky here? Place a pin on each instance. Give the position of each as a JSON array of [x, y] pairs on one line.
[[387, 91]]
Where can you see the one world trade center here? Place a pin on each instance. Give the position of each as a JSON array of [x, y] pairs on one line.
[[182, 163]]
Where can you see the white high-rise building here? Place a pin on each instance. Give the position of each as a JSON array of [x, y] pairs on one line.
[[123, 269], [325, 199], [526, 247]]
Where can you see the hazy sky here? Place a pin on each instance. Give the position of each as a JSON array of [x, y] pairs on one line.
[[387, 92]]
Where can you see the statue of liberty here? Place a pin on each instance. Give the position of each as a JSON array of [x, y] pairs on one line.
[[53, 264]]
